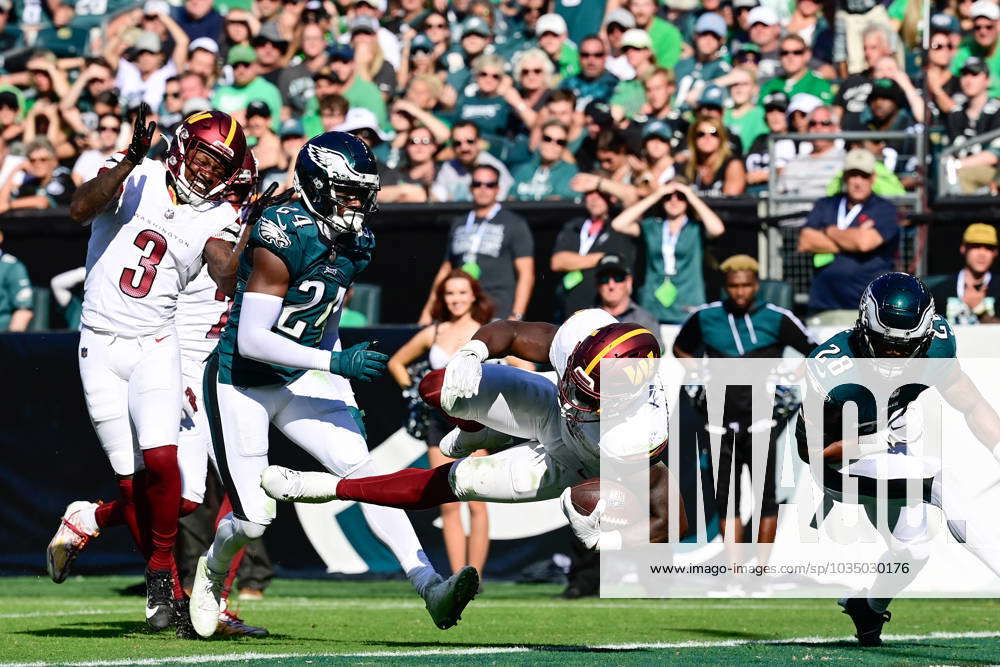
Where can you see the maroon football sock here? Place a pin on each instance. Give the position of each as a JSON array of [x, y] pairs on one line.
[[122, 511], [162, 503], [188, 506], [408, 489]]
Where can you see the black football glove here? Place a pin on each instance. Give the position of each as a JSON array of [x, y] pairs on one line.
[[256, 208], [142, 136]]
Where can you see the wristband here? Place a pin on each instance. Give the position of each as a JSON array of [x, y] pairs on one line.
[[610, 541], [477, 348]]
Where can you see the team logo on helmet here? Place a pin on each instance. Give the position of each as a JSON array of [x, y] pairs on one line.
[[274, 233], [336, 165]]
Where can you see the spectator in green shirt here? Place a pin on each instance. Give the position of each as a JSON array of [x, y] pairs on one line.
[[247, 86], [630, 96], [798, 78], [985, 22], [745, 118], [15, 293], [552, 38], [340, 78], [666, 38], [546, 175]]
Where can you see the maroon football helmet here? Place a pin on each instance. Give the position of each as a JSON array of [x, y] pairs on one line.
[[243, 186], [206, 156], [581, 387]]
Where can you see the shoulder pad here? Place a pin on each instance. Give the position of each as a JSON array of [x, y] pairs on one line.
[[8, 259]]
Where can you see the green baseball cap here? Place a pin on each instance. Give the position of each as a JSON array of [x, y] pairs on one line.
[[241, 53]]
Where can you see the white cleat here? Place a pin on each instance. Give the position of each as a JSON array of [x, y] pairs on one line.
[[69, 541], [205, 599], [457, 444], [290, 485]]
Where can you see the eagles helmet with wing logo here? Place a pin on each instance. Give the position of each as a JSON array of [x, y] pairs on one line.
[[337, 177], [895, 319]]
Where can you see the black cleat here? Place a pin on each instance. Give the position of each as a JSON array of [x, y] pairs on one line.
[[867, 621], [159, 595], [182, 619]]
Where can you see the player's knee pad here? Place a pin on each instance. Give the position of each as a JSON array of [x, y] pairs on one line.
[[249, 529]]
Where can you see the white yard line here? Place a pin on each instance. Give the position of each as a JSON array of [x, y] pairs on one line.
[[491, 650]]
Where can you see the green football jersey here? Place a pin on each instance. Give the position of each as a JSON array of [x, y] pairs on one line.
[[833, 372], [318, 280]]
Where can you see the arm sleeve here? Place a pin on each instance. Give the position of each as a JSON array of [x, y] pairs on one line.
[[689, 337], [19, 287], [63, 284], [817, 218], [258, 315], [795, 335]]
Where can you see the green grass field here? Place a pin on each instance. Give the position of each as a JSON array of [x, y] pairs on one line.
[[88, 621]]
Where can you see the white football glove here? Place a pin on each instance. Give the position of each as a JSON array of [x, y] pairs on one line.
[[463, 373], [586, 528]]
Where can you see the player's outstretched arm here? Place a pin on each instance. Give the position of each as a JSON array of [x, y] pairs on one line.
[[94, 196], [527, 340], [259, 312], [963, 395]]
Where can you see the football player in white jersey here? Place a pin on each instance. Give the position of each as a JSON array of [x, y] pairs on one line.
[[153, 227], [558, 420]]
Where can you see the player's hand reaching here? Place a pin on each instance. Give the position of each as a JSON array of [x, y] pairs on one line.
[[264, 201], [358, 362], [587, 528], [463, 373], [142, 136]]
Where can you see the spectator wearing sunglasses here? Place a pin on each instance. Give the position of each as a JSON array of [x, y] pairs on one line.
[[983, 45], [486, 104], [477, 40], [673, 224], [171, 111], [739, 34], [707, 63], [341, 77], [247, 86], [546, 175], [454, 178], [808, 22], [878, 42], [713, 168], [39, 182], [491, 244], [417, 169], [797, 77], [614, 294], [809, 175], [667, 41], [944, 87], [594, 82], [747, 55], [103, 144], [534, 75]]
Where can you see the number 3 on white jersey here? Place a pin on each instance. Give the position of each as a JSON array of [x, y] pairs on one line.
[[153, 247]]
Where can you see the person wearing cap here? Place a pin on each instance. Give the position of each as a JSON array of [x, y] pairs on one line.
[[853, 236], [546, 175], [673, 223], [368, 57], [667, 41], [745, 118], [199, 19], [261, 138], [387, 40], [16, 295], [580, 245], [941, 83], [476, 40], [146, 77], [270, 48], [710, 102], [487, 105], [985, 16], [975, 163], [551, 31], [629, 96], [886, 111], [739, 33], [796, 76], [809, 175], [970, 296], [757, 158], [594, 82], [742, 325], [356, 89], [707, 63], [247, 86], [765, 33], [657, 152], [616, 24], [614, 281]]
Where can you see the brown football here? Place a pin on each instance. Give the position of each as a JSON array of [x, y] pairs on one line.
[[621, 503]]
